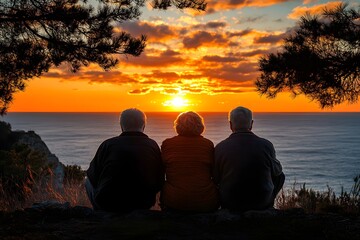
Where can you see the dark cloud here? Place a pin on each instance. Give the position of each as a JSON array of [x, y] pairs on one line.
[[193, 90], [170, 91], [153, 32], [249, 19], [201, 38], [164, 59], [191, 76], [92, 76], [259, 52], [163, 76], [238, 73], [227, 90], [240, 33], [272, 38], [215, 58], [149, 82], [210, 25], [140, 91]]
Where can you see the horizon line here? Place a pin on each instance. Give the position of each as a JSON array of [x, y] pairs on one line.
[[181, 112]]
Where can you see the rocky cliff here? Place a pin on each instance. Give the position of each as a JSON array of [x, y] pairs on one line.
[[35, 142], [9, 139]]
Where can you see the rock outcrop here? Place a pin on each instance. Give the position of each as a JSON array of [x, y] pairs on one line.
[[9, 139], [35, 142]]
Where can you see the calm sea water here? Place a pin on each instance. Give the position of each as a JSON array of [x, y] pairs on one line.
[[319, 149]]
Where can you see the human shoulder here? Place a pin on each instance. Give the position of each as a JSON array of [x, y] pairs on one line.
[[171, 139], [265, 141], [109, 141], [168, 142], [183, 139], [223, 143], [207, 141], [152, 142]]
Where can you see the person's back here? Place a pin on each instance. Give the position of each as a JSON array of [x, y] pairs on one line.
[[246, 168], [126, 172], [188, 159]]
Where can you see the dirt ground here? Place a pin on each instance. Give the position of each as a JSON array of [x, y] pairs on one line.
[[61, 221]]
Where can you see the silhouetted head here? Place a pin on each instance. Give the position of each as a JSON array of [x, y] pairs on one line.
[[132, 120], [189, 124], [240, 119]]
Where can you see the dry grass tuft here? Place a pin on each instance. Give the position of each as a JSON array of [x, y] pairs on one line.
[[43, 189], [320, 202]]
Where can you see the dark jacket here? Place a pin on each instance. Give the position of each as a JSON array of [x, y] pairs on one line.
[[126, 172], [245, 166]]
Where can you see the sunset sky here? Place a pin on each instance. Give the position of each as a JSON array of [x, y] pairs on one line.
[[201, 62]]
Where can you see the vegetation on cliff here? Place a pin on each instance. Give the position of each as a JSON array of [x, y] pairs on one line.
[[27, 176], [30, 173]]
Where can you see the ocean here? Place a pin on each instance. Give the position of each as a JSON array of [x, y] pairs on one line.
[[318, 149]]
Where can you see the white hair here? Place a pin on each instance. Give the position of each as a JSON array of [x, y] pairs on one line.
[[132, 120], [240, 118]]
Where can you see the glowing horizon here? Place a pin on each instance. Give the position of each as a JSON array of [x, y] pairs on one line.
[[205, 62]]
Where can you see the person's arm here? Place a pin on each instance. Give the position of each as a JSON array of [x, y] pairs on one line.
[[216, 169], [276, 168], [277, 175], [161, 175], [94, 170]]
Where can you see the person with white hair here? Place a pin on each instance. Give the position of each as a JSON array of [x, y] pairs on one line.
[[246, 169], [126, 172], [188, 159]]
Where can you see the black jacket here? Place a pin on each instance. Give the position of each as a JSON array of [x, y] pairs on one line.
[[245, 167], [126, 172]]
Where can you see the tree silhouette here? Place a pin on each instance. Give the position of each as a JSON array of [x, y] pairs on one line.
[[320, 59], [38, 34]]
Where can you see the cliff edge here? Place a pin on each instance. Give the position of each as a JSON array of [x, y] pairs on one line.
[[9, 139]]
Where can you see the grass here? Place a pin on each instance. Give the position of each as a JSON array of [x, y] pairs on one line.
[[42, 189], [295, 197], [74, 193], [321, 202]]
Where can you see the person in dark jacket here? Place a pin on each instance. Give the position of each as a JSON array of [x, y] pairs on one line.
[[246, 169], [126, 172]]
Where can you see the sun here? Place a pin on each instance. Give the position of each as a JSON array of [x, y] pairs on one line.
[[177, 103]]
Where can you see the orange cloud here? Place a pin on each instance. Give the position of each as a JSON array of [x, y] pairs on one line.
[[309, 1], [226, 64], [215, 6], [314, 10]]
